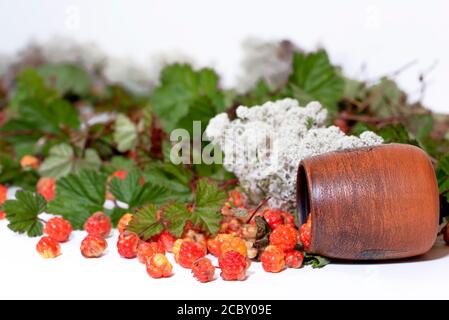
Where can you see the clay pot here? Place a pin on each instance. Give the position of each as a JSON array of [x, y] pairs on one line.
[[370, 204]]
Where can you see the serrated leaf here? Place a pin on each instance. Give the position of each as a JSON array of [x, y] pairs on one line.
[[61, 161], [145, 222], [66, 78], [125, 134], [132, 192], [78, 196], [23, 213], [315, 78], [209, 199], [177, 215]]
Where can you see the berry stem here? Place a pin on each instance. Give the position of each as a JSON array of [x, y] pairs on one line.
[[261, 204]]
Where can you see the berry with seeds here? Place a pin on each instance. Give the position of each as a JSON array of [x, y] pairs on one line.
[[233, 266], [146, 250], [29, 162], [159, 267], [124, 222], [305, 233], [203, 270], [46, 187], [214, 243], [93, 246], [288, 218], [167, 240], [285, 237], [294, 259], [273, 217], [3, 196], [58, 229], [189, 251], [48, 248], [234, 244], [127, 245], [98, 224], [273, 259]]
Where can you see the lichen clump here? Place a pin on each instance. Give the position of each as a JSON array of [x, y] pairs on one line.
[[264, 145]]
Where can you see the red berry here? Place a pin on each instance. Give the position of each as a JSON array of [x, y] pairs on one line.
[[203, 270], [98, 224], [288, 218], [146, 250], [167, 240], [127, 245], [234, 244], [159, 267], [3, 196], [285, 237], [29, 161], [214, 243], [233, 266], [124, 222], [58, 229], [273, 259], [306, 233], [93, 246], [189, 252], [293, 259], [48, 248], [46, 187], [273, 217]]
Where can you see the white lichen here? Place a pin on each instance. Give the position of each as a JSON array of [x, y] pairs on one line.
[[264, 145]]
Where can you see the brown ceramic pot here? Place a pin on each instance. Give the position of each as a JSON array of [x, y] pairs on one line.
[[371, 203]]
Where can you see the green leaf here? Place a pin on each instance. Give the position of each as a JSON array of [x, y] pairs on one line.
[[11, 173], [61, 161], [209, 199], [125, 134], [177, 215], [66, 78], [315, 78], [23, 213], [145, 222], [132, 192], [315, 261], [394, 133], [78, 196], [183, 89], [442, 173]]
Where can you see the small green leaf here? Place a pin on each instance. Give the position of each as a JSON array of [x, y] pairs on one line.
[[145, 222], [78, 196], [315, 78], [177, 215], [125, 134], [315, 261], [209, 199], [23, 213], [66, 78]]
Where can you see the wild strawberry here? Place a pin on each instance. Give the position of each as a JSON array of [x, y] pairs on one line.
[[93, 246], [159, 266], [58, 229], [167, 240], [127, 245], [234, 244], [146, 250], [273, 217], [46, 187], [306, 233], [124, 222], [48, 248], [98, 224], [233, 266], [3, 196], [273, 259], [203, 270], [29, 161], [189, 251], [214, 243], [285, 237], [293, 259]]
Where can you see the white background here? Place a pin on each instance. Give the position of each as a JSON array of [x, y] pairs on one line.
[[384, 35]]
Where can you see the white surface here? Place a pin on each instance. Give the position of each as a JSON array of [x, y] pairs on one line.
[[25, 275], [384, 35]]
